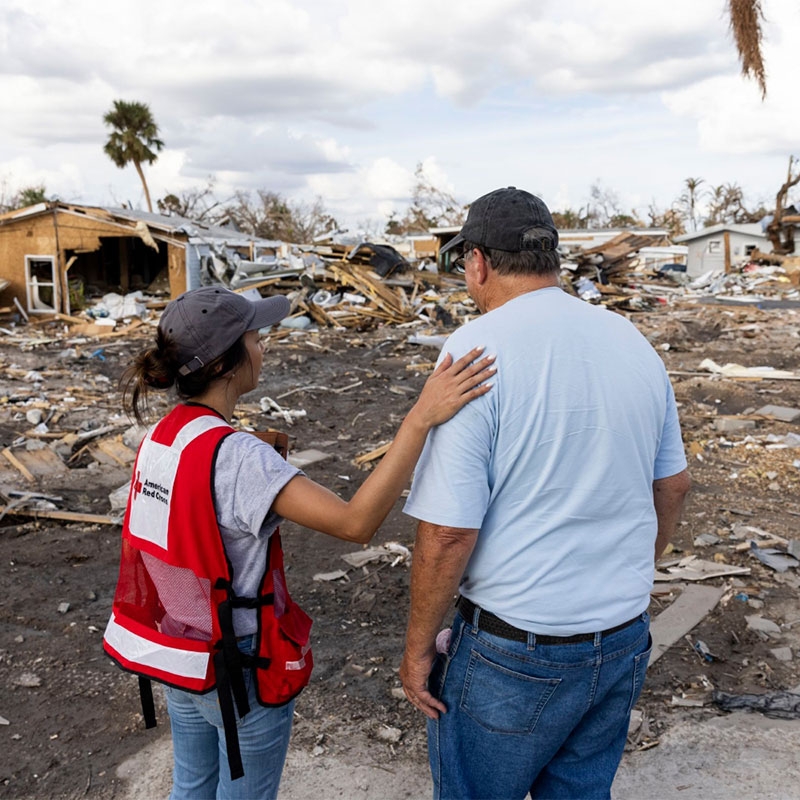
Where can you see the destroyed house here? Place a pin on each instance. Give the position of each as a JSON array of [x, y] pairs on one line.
[[723, 247], [55, 254]]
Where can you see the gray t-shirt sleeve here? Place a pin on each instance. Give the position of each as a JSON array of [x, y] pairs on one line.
[[248, 476]]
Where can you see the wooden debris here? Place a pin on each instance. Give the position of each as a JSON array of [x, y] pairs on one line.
[[112, 452], [422, 366], [66, 516], [378, 452], [743, 546], [692, 568], [392, 305], [19, 466], [35, 464]]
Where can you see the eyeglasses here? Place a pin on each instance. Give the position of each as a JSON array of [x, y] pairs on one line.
[[460, 263]]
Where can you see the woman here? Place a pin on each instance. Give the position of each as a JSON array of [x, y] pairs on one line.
[[201, 603]]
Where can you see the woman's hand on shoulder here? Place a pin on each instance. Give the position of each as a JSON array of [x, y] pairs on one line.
[[454, 384]]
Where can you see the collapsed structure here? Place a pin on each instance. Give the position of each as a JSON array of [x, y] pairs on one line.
[[92, 266]]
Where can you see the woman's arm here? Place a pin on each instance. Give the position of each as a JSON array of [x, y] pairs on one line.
[[450, 387]]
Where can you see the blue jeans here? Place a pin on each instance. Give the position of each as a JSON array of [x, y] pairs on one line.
[[549, 719], [200, 759]]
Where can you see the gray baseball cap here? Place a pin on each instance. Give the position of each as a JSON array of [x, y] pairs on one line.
[[508, 219], [206, 322]]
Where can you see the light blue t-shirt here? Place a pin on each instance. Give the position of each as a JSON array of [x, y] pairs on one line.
[[555, 465]]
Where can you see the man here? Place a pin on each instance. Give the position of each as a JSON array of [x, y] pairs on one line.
[[542, 503]]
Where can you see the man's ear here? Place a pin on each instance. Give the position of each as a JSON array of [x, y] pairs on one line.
[[481, 265]]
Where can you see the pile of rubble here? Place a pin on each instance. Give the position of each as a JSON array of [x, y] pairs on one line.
[[368, 285]]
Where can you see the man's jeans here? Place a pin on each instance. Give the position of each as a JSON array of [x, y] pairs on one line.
[[200, 758], [549, 719]]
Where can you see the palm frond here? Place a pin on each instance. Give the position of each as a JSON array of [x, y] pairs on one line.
[[746, 17]]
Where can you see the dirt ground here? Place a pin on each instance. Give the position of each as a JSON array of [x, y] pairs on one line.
[[70, 717]]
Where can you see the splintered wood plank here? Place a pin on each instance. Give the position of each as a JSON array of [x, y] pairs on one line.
[[117, 450], [378, 452], [674, 622], [42, 463], [370, 284], [18, 465], [66, 516]]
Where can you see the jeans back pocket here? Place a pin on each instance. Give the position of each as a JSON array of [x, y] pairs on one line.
[[640, 663], [503, 700]]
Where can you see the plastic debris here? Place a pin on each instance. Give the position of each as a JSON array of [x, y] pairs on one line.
[[779, 705]]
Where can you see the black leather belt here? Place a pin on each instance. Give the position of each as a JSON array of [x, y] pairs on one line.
[[490, 623]]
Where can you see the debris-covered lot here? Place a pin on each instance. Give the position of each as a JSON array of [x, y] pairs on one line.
[[69, 716]]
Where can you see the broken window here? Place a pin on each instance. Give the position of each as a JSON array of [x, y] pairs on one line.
[[42, 284], [715, 246]]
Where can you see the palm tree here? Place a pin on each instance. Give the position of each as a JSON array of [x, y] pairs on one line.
[[746, 17], [689, 199], [133, 139]]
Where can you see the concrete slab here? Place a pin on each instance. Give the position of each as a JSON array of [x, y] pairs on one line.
[[782, 413], [740, 755], [685, 613]]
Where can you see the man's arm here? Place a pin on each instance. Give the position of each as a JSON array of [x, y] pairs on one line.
[[668, 497], [440, 558]]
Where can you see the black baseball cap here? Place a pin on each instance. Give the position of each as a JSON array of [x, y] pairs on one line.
[[204, 323], [508, 219]]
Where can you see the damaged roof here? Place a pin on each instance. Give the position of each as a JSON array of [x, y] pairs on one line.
[[195, 231]]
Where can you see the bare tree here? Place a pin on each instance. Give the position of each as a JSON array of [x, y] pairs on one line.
[[269, 215], [727, 206], [196, 204], [774, 227], [430, 207], [605, 211], [671, 220]]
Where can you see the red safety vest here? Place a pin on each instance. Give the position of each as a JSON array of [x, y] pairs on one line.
[[172, 616]]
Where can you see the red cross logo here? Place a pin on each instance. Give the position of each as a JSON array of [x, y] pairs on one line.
[[137, 484]]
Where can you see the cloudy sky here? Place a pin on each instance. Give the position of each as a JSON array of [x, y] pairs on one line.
[[343, 98]]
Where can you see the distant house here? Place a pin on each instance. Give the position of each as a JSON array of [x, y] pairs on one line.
[[51, 251], [723, 247]]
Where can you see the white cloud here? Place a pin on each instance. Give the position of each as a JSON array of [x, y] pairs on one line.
[[375, 189], [728, 110], [342, 98]]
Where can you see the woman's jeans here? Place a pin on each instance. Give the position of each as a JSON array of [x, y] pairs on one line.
[[549, 719], [201, 763]]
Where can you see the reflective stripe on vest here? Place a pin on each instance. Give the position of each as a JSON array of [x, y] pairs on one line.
[[139, 651]]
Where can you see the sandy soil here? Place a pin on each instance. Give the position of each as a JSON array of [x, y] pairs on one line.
[[73, 717]]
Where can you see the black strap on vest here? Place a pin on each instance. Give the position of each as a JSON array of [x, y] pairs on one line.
[[148, 706], [253, 602], [225, 695], [228, 666]]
